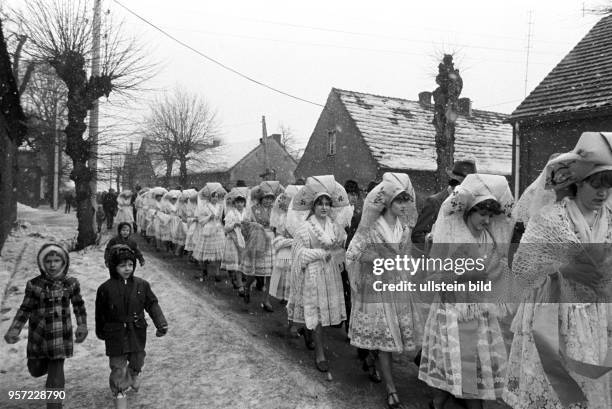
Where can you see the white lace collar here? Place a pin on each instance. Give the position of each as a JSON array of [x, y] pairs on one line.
[[391, 234], [325, 234]]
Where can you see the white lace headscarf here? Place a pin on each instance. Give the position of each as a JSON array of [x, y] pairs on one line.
[[381, 197], [592, 154], [167, 206], [204, 197], [278, 215], [450, 227], [316, 186]]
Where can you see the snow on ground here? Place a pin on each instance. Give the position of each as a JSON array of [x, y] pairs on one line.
[[205, 361]]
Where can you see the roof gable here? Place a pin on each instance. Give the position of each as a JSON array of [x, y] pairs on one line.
[[582, 81], [401, 136]]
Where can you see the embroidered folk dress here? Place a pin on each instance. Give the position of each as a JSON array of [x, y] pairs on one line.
[[152, 219], [261, 264], [211, 240], [124, 212], [584, 328], [192, 223], [179, 232], [446, 353], [385, 321], [316, 293], [233, 240], [167, 220], [279, 282]]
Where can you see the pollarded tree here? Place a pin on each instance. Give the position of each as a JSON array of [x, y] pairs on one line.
[[446, 101], [60, 34]]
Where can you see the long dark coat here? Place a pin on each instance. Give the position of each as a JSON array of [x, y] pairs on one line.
[[120, 307]]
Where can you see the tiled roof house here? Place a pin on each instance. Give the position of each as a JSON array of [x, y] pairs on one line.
[[228, 163], [576, 96], [360, 136]]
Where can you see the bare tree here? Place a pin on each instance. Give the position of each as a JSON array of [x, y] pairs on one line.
[[180, 126], [60, 34], [12, 134], [288, 140], [446, 102]]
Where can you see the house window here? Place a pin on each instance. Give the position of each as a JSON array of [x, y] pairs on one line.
[[331, 142]]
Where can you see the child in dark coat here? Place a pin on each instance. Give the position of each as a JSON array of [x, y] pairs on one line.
[[46, 304], [124, 231], [120, 321]]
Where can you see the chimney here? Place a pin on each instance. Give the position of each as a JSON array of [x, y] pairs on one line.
[[131, 148], [425, 98], [277, 137], [465, 106]]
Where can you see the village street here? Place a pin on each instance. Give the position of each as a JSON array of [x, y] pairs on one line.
[[219, 352]]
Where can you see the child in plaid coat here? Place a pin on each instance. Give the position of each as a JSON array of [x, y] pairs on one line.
[[46, 305]]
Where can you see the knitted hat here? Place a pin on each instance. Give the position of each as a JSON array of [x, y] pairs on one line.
[[119, 253]]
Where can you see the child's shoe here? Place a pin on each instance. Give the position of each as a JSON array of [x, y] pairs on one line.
[[136, 381], [121, 401]]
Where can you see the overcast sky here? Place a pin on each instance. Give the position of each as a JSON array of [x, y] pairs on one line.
[[388, 47]]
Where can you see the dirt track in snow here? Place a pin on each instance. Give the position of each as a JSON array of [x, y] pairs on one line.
[[206, 361], [219, 352]]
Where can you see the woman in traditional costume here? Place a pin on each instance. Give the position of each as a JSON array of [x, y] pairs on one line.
[[235, 215], [192, 223], [125, 212], [281, 244], [169, 220], [316, 298], [153, 220], [179, 232], [210, 243], [139, 204], [257, 258], [384, 321], [559, 356], [464, 353]]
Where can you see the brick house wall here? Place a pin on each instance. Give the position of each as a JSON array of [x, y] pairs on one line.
[[352, 160], [252, 165], [538, 140], [248, 169]]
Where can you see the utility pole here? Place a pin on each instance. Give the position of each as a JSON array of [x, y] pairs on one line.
[[55, 160], [92, 163], [110, 176], [529, 27], [264, 139]]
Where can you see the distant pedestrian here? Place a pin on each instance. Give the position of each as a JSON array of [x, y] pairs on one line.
[[109, 202], [100, 217], [68, 199], [46, 305], [120, 322]]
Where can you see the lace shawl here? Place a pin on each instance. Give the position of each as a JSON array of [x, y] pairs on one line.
[[550, 242]]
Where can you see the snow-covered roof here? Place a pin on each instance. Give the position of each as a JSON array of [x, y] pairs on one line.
[[582, 81], [401, 136], [218, 159]]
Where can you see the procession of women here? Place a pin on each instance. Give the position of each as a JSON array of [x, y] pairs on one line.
[[542, 337]]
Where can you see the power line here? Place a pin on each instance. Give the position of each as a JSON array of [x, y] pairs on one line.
[[328, 45], [214, 60], [333, 30]]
